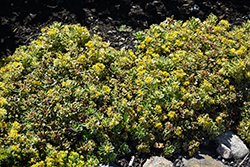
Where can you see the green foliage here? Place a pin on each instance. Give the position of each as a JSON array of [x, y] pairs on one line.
[[69, 99], [244, 126], [124, 28]]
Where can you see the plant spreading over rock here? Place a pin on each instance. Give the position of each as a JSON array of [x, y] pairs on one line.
[[68, 99]]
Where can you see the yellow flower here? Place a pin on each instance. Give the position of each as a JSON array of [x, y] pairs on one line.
[[243, 48], [123, 85], [158, 109], [164, 73], [89, 44], [141, 72], [13, 147], [3, 113], [3, 125], [219, 120], [109, 111], [241, 63], [148, 39], [97, 94], [82, 58], [218, 61], [247, 74], [233, 51], [186, 83], [183, 90], [178, 130], [226, 82], [124, 101], [49, 164], [205, 121], [32, 160], [92, 88], [98, 67], [239, 51], [142, 45], [39, 164], [158, 125], [2, 101], [16, 125], [149, 79], [139, 108], [232, 88], [155, 55], [171, 114], [67, 83], [13, 133], [146, 113], [142, 119], [207, 85], [179, 43], [106, 89]]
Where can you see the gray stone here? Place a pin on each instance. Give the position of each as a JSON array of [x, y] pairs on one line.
[[109, 165], [157, 161], [224, 151], [234, 143], [202, 160]]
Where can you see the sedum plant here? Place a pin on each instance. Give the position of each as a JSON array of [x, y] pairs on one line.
[[69, 99]]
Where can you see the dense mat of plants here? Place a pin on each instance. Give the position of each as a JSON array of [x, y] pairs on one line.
[[69, 99]]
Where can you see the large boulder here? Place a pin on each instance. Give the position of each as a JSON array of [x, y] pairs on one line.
[[157, 161], [234, 143]]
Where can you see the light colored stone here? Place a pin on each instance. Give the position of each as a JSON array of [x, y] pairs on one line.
[[202, 160], [157, 161], [109, 165], [234, 143], [224, 151]]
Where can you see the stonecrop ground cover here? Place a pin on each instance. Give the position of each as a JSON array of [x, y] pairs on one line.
[[69, 99]]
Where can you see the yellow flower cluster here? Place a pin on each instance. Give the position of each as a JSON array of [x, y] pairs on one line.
[[3, 125], [3, 101], [98, 67], [14, 131], [204, 121], [106, 89], [158, 109], [207, 85], [178, 130], [67, 83], [3, 113]]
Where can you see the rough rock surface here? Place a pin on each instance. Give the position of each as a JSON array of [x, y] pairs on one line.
[[157, 161], [234, 143], [202, 160], [110, 165], [224, 151]]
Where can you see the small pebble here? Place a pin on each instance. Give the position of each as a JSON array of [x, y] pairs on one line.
[[196, 8]]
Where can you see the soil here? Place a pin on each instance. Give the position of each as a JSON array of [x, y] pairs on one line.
[[21, 22]]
